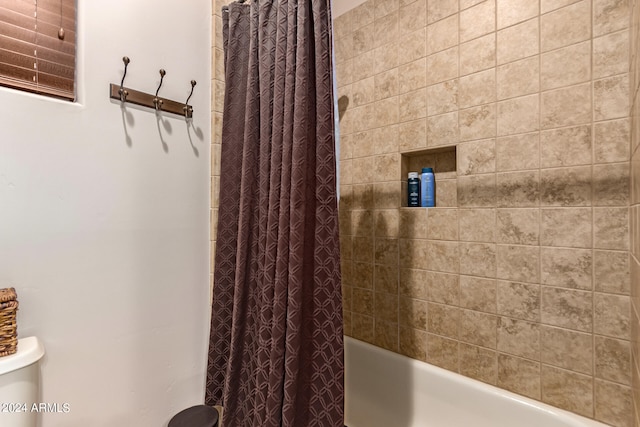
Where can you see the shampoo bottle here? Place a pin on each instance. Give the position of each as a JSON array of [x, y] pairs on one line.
[[413, 186], [427, 188]]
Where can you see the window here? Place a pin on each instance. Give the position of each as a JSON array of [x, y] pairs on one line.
[[38, 46]]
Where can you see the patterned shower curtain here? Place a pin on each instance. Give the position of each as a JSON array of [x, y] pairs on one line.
[[276, 349]]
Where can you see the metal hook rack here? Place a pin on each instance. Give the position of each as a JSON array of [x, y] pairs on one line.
[[124, 94]]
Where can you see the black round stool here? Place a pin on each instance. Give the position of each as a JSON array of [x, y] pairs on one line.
[[196, 416]]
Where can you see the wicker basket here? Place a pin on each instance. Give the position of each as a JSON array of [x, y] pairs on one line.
[[8, 329]]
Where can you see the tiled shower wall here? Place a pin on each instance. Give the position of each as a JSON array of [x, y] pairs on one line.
[[635, 205], [520, 276]]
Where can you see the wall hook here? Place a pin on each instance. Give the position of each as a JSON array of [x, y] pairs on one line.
[[122, 92], [188, 109], [157, 101]]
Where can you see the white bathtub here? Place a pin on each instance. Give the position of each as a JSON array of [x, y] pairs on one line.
[[385, 389]]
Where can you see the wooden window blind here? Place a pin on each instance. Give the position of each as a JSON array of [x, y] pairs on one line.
[[38, 46]]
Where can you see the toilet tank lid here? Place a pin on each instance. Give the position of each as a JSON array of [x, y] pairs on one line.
[[30, 350]]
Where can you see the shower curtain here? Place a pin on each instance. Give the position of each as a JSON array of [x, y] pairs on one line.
[[276, 348]]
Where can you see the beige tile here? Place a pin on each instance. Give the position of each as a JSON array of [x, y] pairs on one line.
[[518, 189], [518, 78], [478, 54], [364, 117], [385, 8], [519, 41], [611, 315], [566, 26], [519, 338], [478, 328], [413, 313], [518, 226], [414, 75], [610, 15], [478, 363], [386, 307], [414, 283], [386, 84], [384, 58], [443, 288], [442, 66], [386, 29], [613, 360], [386, 167], [566, 146], [413, 223], [443, 320], [363, 301], [611, 228], [386, 111], [611, 184], [442, 129], [518, 263], [439, 9], [567, 268], [549, 5], [517, 152], [386, 335], [363, 249], [412, 135], [611, 98], [613, 404], [477, 191], [478, 122], [386, 195], [511, 12], [362, 92], [413, 105], [565, 186], [363, 195], [567, 390], [567, 308], [477, 225], [413, 343], [518, 375], [442, 97], [611, 54], [566, 66], [611, 141], [443, 256], [344, 72], [476, 157], [362, 275], [478, 259], [412, 46], [476, 89], [465, 4], [362, 223], [441, 351], [611, 272], [518, 115], [362, 327], [386, 251], [344, 49], [342, 25], [386, 279], [442, 224], [568, 227], [446, 193], [478, 294], [442, 35], [412, 17], [518, 300], [363, 39], [567, 349], [363, 14], [478, 20], [385, 139], [363, 65], [566, 107]]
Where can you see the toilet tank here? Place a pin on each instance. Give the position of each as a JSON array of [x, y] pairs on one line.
[[20, 384]]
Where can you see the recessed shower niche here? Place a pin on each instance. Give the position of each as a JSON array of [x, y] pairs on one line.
[[443, 160]]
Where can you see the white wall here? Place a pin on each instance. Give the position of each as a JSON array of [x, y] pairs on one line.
[[338, 7], [106, 238]]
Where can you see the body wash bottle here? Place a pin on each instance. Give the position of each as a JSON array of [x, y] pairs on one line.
[[427, 188], [413, 186]]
